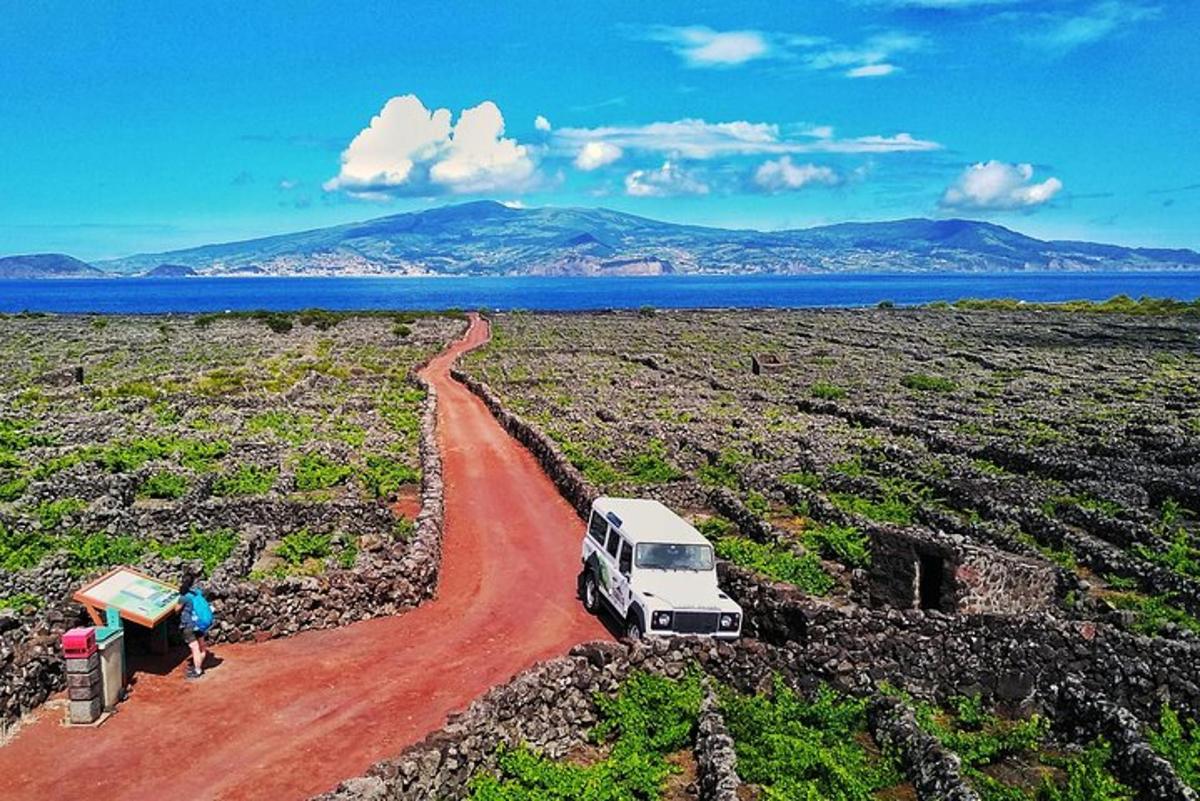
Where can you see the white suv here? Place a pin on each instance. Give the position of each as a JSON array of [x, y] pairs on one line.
[[654, 570]]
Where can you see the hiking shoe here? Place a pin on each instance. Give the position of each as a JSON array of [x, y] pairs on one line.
[[192, 675]]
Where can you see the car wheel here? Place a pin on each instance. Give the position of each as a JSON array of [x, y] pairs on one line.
[[591, 593], [633, 629]]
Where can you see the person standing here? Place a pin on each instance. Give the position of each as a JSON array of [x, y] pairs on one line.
[[195, 619]]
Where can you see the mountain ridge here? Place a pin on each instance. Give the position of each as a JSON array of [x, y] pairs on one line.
[[490, 238]]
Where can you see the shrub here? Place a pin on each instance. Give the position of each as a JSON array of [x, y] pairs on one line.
[[650, 716], [23, 549], [210, 547], [802, 478], [651, 465], [1178, 742], [91, 552], [383, 476], [890, 509], [845, 544], [50, 514], [802, 749], [777, 563], [248, 479], [13, 488], [928, 383], [403, 529], [300, 546], [826, 391], [164, 484], [723, 472], [22, 601], [714, 527], [315, 472]]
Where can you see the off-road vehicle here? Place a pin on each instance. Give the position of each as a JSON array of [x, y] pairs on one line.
[[654, 570]]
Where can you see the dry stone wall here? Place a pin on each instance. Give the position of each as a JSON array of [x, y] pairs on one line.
[[387, 577]]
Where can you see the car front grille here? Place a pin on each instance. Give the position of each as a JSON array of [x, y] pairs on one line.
[[696, 622]]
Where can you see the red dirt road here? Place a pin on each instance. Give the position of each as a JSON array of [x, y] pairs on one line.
[[289, 718]]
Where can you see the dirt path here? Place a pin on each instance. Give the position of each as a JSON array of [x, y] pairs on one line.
[[289, 718]]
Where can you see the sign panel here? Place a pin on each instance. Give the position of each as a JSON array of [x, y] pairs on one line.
[[138, 597]]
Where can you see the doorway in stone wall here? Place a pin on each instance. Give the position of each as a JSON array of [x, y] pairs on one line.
[[930, 574]]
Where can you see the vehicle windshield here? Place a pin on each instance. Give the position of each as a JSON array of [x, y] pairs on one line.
[[674, 556]]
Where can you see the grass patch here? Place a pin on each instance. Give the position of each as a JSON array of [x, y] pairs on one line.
[[164, 485], [923, 382], [22, 601], [651, 465], [316, 472], [824, 390], [845, 544], [797, 748], [777, 563], [724, 471], [50, 514], [382, 476], [247, 479], [210, 547], [1178, 741], [649, 717], [1153, 613]]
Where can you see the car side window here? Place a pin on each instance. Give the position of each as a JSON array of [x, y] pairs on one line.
[[614, 542], [598, 529], [625, 563]]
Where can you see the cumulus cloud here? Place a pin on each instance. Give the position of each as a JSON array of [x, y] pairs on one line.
[[699, 46], [698, 139], [669, 179], [781, 175], [541, 123], [997, 185], [409, 149], [594, 155]]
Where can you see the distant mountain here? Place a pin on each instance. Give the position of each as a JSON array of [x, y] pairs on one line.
[[487, 238], [46, 265], [170, 271]]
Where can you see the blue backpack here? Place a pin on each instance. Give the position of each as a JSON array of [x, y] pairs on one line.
[[201, 612]]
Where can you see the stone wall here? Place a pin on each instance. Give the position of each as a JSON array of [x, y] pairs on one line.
[[934, 655], [933, 771], [570, 482], [550, 708], [1083, 715], [716, 760], [388, 577], [974, 579]]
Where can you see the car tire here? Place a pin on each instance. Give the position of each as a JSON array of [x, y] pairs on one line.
[[591, 593], [633, 629]]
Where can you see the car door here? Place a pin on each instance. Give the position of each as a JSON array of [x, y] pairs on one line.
[[606, 559], [622, 578]]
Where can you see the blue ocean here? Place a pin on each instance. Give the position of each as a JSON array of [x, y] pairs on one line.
[[160, 295]]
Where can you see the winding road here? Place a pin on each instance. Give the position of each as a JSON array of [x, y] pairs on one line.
[[286, 719]]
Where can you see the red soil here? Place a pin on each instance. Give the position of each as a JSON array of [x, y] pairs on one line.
[[289, 718]]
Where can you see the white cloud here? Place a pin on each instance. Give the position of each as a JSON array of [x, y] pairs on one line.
[[669, 179], [1063, 33], [871, 71], [594, 155], [541, 123], [698, 139], [699, 46], [871, 59], [513, 204], [408, 149], [781, 175], [997, 185]]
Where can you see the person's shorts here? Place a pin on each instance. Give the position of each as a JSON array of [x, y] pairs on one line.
[[189, 635]]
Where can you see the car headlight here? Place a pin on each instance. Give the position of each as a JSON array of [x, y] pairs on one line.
[[661, 620], [729, 621]]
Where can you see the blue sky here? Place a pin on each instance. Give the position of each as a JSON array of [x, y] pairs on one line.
[[131, 127]]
